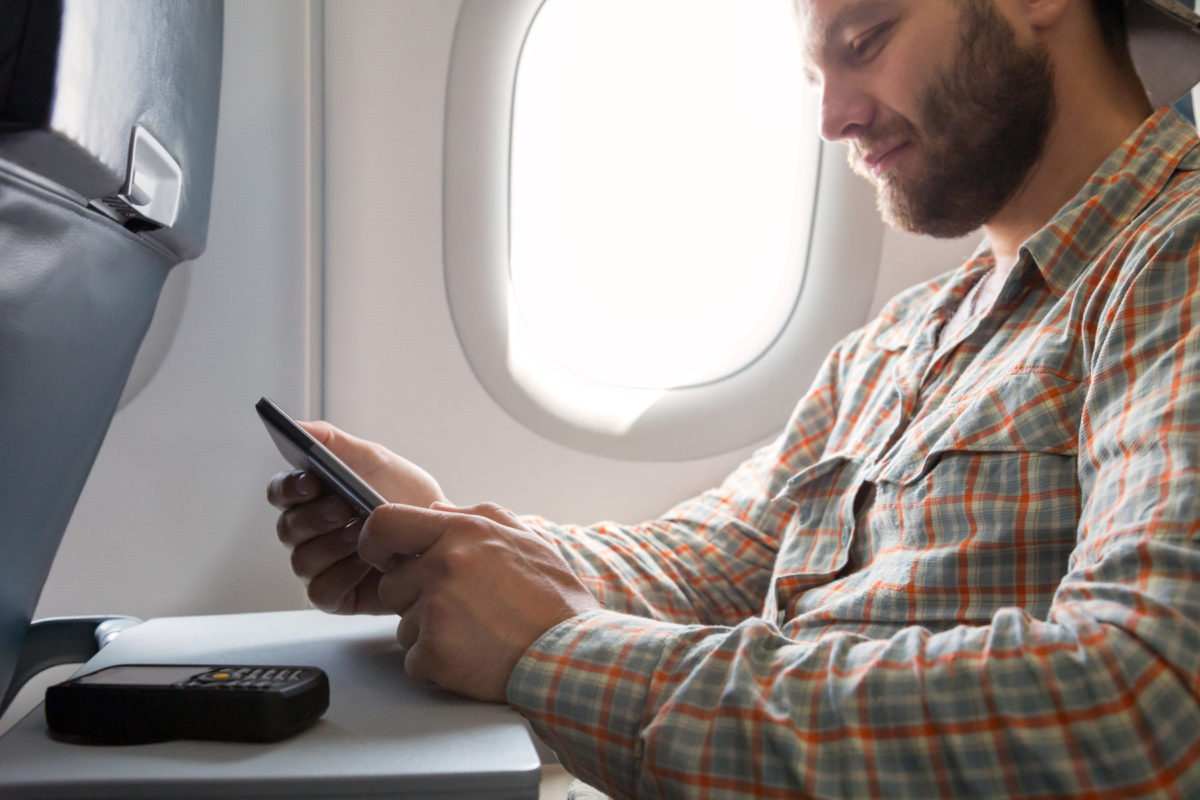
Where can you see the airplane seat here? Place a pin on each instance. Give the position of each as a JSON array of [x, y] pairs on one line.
[[108, 115]]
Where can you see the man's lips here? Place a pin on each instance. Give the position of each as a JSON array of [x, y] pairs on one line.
[[879, 160]]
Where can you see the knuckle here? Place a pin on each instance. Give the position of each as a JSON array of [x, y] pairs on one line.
[[457, 559], [284, 489], [277, 490], [326, 597], [389, 589], [299, 562], [465, 528], [414, 664], [332, 511], [292, 526], [408, 631]]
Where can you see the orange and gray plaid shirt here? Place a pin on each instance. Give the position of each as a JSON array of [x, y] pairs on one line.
[[967, 568]]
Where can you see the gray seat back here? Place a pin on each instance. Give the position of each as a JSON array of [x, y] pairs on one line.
[[108, 114]]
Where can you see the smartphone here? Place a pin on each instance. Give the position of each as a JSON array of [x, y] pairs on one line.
[[304, 452], [135, 703]]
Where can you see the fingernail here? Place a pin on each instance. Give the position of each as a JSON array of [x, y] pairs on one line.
[[305, 485]]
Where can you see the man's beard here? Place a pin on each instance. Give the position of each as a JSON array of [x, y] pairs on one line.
[[984, 122]]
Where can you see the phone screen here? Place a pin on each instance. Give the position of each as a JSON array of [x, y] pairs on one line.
[[141, 675]]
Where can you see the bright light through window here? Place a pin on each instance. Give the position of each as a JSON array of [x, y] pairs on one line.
[[660, 151]]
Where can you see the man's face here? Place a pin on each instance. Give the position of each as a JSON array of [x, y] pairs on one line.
[[946, 124]]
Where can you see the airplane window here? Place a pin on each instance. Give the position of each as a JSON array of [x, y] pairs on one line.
[[648, 251], [653, 183]]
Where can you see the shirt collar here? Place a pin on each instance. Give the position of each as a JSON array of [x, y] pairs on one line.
[[1128, 180], [899, 327], [1125, 183]]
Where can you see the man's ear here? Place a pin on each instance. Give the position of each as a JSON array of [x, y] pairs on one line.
[[1032, 19], [1043, 14]]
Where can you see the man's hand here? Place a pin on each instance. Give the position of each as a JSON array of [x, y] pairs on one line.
[[321, 529], [474, 589]]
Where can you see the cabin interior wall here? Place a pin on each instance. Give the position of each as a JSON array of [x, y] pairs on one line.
[[328, 169], [173, 518]]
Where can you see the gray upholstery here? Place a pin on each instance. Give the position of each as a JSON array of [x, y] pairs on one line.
[[78, 284], [115, 64]]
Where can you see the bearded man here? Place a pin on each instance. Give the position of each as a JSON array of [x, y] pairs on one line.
[[969, 566]]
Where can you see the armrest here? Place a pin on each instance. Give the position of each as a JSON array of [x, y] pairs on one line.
[[62, 640]]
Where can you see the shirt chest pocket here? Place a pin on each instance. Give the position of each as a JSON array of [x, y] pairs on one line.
[[994, 468], [816, 541]]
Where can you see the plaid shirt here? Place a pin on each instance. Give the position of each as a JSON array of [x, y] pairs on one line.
[[967, 568]]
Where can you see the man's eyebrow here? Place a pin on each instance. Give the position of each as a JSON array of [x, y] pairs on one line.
[[823, 40], [846, 17]]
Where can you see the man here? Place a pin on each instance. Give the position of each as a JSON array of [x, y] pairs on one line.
[[969, 565]]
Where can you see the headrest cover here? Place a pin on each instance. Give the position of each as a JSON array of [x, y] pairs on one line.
[[1164, 41]]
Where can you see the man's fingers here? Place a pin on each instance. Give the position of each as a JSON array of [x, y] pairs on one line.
[[347, 587], [290, 488], [399, 587], [409, 629], [492, 511], [301, 523], [358, 454], [414, 663], [325, 433], [312, 557], [396, 529]]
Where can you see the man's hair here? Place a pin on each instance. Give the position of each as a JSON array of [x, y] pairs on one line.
[[1111, 15]]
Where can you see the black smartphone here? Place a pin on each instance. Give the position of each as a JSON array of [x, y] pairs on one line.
[[304, 452], [134, 703]]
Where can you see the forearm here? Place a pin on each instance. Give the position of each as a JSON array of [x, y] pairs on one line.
[[669, 569], [1019, 708]]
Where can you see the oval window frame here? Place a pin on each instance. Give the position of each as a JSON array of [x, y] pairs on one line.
[[685, 423]]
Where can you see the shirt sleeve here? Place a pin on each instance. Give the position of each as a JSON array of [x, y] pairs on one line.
[[1097, 700], [709, 559]]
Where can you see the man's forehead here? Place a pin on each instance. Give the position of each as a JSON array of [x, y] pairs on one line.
[[821, 20]]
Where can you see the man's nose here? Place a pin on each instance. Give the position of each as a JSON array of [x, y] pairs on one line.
[[846, 108]]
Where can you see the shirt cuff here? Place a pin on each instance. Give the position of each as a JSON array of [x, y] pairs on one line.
[[584, 686]]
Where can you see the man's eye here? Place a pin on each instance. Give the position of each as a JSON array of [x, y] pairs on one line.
[[866, 45]]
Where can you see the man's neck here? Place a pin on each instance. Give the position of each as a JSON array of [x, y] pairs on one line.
[[1098, 107]]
